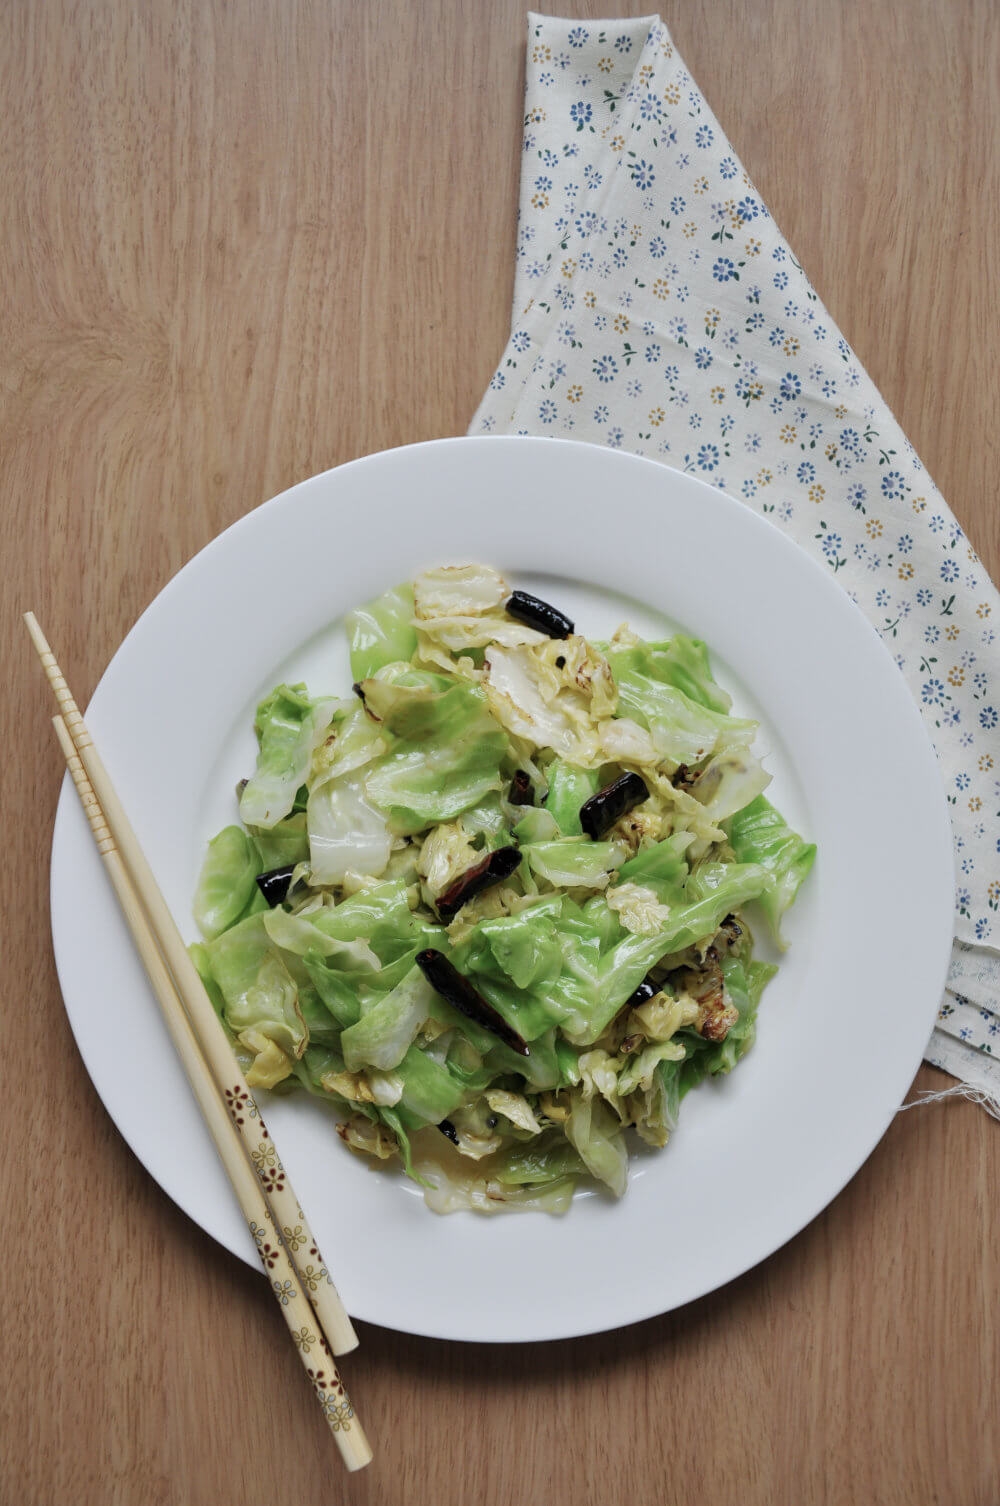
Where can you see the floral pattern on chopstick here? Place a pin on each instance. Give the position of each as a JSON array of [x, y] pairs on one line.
[[268, 1167], [296, 1235], [304, 1339], [267, 1251], [294, 1238], [313, 1278], [333, 1398], [271, 1175], [328, 1386], [240, 1105]]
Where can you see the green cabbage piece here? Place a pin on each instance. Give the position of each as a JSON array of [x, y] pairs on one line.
[[447, 762], [540, 1068], [288, 725], [669, 689], [548, 1157], [729, 781], [596, 1134], [284, 844], [315, 1063], [569, 788], [536, 825], [430, 1091], [338, 992], [488, 819], [574, 862], [596, 920], [525, 945], [393, 1121], [258, 989], [323, 1025], [662, 1106], [680, 662], [353, 740], [228, 881], [661, 866], [297, 935], [385, 1032], [380, 915], [203, 966], [760, 834], [744, 985], [346, 833], [709, 896], [530, 1011], [381, 633]]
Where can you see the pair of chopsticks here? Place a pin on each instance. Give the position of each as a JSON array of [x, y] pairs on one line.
[[319, 1324]]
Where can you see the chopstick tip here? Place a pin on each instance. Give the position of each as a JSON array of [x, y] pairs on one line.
[[35, 633], [345, 1341]]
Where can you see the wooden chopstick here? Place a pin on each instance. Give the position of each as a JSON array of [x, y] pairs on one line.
[[321, 1368], [216, 1050], [267, 1197]]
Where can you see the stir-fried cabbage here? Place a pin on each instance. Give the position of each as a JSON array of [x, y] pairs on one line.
[[620, 959]]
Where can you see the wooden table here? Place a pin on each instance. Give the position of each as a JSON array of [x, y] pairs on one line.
[[243, 242]]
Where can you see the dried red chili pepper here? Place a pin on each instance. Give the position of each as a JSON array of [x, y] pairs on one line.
[[494, 867], [521, 792], [274, 884], [445, 978], [601, 811], [535, 613]]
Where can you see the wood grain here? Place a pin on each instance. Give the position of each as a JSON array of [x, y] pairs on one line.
[[243, 242]]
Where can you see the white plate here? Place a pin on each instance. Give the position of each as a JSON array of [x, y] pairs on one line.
[[607, 536]]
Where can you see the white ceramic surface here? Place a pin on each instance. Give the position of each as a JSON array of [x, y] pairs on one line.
[[606, 536]]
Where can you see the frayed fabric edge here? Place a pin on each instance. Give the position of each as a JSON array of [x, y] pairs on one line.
[[987, 1100]]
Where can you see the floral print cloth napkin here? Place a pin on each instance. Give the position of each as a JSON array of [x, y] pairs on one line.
[[658, 309]]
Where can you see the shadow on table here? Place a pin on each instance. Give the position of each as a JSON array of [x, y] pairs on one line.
[[784, 1287], [685, 1330]]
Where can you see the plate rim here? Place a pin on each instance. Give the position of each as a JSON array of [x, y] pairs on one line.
[[667, 476]]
